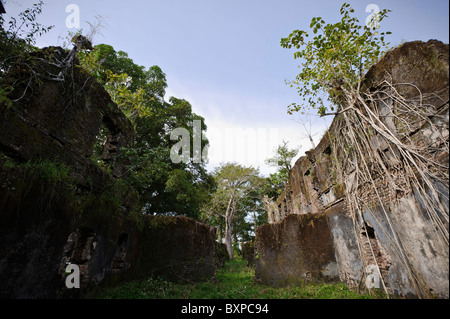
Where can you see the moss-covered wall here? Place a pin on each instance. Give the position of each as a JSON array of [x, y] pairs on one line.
[[295, 251], [177, 248], [222, 255], [248, 252], [57, 206]]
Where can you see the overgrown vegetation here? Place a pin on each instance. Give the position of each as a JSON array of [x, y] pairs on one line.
[[18, 36], [335, 60], [235, 281], [53, 180], [280, 180], [164, 187], [334, 64], [376, 126], [46, 171], [235, 190]]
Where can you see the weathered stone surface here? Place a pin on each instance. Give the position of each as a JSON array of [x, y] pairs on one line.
[[295, 251], [59, 120], [422, 64], [425, 249], [177, 248], [43, 225], [42, 231], [345, 244], [393, 234]]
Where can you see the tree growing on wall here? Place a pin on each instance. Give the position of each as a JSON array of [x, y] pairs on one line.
[[19, 34], [335, 62]]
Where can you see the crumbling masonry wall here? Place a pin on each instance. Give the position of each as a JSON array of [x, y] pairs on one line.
[[296, 251], [369, 221], [58, 207]]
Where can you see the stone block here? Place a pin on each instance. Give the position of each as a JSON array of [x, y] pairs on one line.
[[295, 251]]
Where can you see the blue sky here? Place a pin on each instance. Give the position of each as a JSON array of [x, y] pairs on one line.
[[224, 56]]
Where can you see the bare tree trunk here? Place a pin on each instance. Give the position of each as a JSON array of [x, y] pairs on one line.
[[254, 219], [228, 226], [308, 130], [229, 239]]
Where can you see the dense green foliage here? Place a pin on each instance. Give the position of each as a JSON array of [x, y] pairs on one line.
[[19, 35], [282, 160], [235, 196], [235, 281], [164, 187], [335, 60]]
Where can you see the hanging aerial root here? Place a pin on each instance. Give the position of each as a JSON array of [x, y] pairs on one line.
[[382, 138]]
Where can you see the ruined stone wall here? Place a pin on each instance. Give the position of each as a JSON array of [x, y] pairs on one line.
[[222, 255], [296, 251], [370, 220], [177, 248], [58, 207]]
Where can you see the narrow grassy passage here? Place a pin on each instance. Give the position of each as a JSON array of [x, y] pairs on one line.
[[235, 281]]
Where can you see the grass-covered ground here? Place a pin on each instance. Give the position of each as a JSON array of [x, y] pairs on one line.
[[235, 281]]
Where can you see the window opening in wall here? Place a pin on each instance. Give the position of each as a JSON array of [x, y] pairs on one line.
[[368, 231]]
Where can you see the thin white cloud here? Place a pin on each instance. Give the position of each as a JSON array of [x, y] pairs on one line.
[[243, 129]]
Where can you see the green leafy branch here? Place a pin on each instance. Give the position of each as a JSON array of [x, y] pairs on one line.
[[335, 60]]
